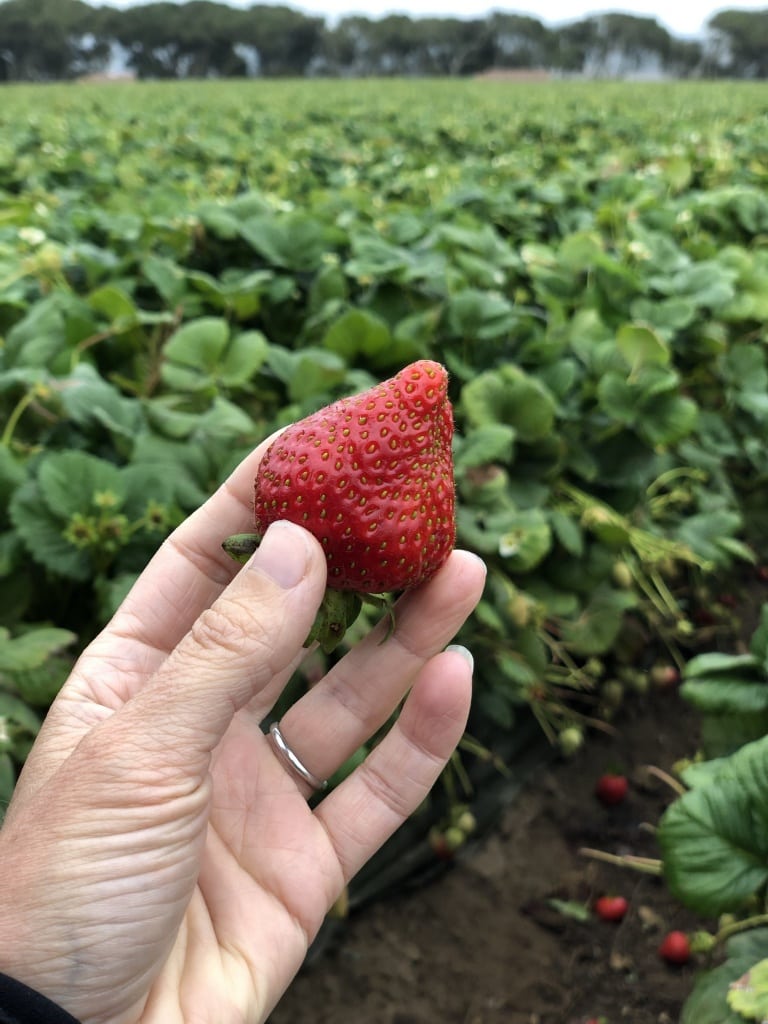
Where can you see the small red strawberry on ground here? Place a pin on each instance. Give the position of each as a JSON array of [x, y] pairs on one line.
[[675, 948], [611, 908], [371, 476], [611, 788]]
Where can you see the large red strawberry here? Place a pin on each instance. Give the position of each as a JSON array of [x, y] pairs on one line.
[[371, 477]]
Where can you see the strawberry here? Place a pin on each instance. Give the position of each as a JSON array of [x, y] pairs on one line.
[[611, 788], [675, 948], [371, 477], [611, 908]]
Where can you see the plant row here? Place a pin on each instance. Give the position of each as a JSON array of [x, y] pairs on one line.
[[183, 270]]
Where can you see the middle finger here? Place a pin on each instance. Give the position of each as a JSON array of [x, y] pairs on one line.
[[363, 689]]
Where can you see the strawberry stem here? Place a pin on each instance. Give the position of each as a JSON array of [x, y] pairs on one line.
[[646, 865], [241, 546]]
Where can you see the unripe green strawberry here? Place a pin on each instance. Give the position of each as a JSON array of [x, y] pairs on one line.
[[371, 477]]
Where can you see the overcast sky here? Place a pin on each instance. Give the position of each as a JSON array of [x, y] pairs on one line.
[[681, 17]]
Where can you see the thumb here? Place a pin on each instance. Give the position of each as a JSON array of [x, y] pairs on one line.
[[248, 639]]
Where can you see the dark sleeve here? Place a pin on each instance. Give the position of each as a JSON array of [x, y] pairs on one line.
[[22, 1005]]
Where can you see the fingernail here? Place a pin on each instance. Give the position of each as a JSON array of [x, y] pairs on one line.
[[283, 554], [476, 557], [464, 652]]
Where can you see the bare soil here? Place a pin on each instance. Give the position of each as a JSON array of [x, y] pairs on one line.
[[483, 944]]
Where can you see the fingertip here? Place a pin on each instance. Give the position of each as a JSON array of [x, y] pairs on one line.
[[436, 712], [471, 563]]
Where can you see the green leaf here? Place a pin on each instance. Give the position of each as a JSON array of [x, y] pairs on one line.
[[722, 735], [714, 839], [186, 467], [116, 304], [69, 481], [357, 333], [571, 908], [708, 1002], [309, 373], [617, 397], [678, 171], [595, 629], [758, 645], [568, 532], [167, 277], [38, 338], [668, 419], [245, 356], [12, 475], [716, 662], [38, 686], [482, 315], [727, 695], [491, 443], [749, 994], [87, 397], [667, 315], [42, 533], [31, 649], [641, 346], [704, 531], [16, 711], [526, 540], [702, 773], [7, 782], [112, 592], [707, 283], [194, 352], [226, 421], [510, 396], [297, 241]]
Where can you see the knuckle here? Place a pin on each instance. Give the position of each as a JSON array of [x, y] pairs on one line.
[[389, 793], [223, 627]]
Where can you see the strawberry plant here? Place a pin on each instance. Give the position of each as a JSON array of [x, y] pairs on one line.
[[712, 837]]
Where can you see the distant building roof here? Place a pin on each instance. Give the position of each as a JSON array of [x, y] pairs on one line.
[[514, 75]]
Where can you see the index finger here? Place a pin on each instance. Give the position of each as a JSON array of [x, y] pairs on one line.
[[190, 569]]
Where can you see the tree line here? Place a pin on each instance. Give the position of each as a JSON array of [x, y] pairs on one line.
[[44, 40]]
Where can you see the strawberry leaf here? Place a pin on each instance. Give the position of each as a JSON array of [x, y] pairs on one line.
[[358, 333], [31, 649], [70, 481], [42, 534], [714, 839]]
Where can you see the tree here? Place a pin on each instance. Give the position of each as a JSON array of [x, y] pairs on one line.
[[616, 45], [522, 42], [286, 40], [738, 43], [47, 39]]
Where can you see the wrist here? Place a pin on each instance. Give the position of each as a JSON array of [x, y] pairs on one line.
[[27, 969]]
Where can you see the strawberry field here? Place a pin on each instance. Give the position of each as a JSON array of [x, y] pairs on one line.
[[185, 267]]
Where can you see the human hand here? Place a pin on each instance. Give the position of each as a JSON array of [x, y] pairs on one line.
[[160, 861]]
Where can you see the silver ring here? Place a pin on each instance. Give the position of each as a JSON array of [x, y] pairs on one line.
[[293, 761]]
